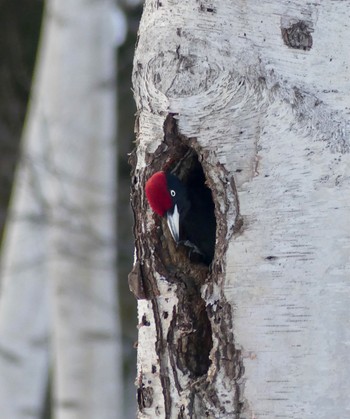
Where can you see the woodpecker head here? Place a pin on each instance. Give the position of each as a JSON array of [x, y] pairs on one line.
[[167, 196]]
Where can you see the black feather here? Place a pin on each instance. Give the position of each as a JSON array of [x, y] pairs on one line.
[[197, 216]]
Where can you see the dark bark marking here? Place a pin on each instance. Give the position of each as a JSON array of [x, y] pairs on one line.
[[161, 351], [144, 320], [144, 397], [172, 352], [298, 35], [209, 8]]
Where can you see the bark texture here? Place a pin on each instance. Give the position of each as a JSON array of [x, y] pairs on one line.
[[259, 93]]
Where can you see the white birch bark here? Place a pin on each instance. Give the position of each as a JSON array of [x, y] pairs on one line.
[[59, 279], [261, 91]]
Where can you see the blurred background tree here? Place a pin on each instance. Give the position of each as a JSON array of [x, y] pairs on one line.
[[21, 24]]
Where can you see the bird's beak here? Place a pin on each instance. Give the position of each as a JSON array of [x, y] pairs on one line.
[[173, 219]]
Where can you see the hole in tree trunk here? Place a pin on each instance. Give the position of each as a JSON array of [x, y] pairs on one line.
[[190, 337], [180, 158], [197, 331]]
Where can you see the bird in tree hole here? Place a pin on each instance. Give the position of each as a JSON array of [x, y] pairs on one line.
[[189, 209]]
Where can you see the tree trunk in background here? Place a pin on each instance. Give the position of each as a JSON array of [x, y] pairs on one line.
[[259, 91], [58, 262]]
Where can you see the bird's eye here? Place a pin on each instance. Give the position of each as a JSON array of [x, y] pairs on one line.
[[172, 192]]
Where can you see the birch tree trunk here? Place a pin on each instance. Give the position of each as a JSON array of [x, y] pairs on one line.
[[258, 93], [58, 266]]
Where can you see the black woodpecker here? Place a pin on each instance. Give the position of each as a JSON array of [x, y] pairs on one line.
[[189, 210]]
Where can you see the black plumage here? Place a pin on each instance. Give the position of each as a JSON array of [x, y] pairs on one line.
[[196, 213]]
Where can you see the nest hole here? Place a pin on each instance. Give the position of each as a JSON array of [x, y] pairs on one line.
[[190, 337]]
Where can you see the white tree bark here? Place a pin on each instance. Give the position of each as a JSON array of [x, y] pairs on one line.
[[58, 269], [260, 90]]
